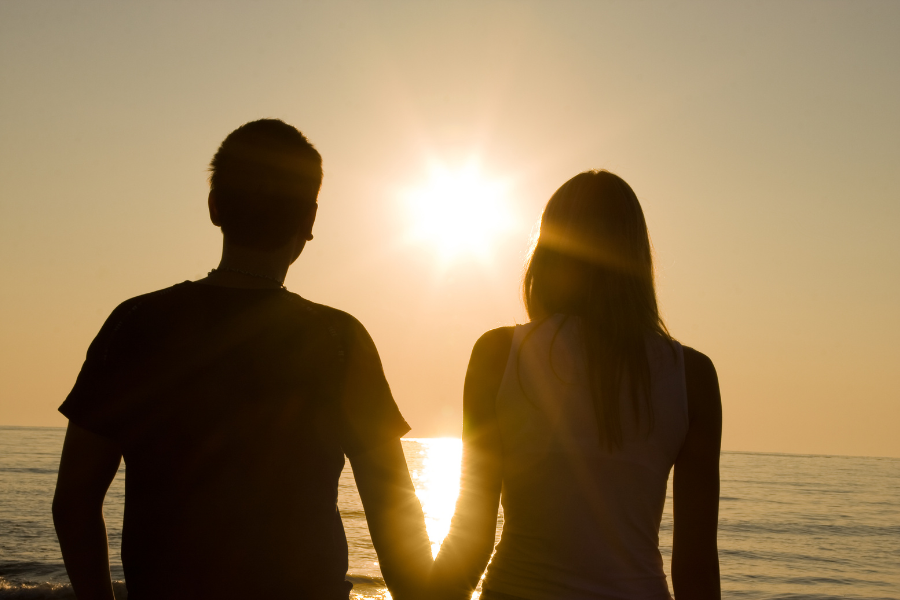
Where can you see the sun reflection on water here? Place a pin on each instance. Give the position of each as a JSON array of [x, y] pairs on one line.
[[434, 465], [435, 474]]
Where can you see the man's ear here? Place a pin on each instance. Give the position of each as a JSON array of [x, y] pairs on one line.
[[213, 209], [308, 221]]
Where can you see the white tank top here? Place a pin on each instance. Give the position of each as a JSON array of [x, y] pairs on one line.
[[581, 522]]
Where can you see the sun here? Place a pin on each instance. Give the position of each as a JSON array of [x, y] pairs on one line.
[[458, 212]]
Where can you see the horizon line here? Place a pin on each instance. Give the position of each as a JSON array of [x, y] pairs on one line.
[[451, 437]]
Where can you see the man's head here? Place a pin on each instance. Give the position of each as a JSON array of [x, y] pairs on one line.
[[264, 180]]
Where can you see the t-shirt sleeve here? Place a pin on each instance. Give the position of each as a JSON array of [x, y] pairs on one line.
[[91, 403], [368, 413]]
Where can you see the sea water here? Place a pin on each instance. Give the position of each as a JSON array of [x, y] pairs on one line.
[[790, 526]]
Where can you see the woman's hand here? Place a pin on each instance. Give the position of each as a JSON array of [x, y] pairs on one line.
[[468, 547]]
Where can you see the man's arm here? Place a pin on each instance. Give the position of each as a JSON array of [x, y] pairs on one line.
[[695, 558], [88, 465], [395, 518], [466, 551]]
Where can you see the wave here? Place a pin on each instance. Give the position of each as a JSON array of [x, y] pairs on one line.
[[48, 591], [830, 530], [31, 571], [364, 580], [63, 591], [30, 470]]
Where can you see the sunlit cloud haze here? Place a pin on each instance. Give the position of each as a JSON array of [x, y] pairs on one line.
[[761, 138]]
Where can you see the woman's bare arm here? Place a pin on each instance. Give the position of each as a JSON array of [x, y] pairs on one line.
[[88, 465], [695, 558], [467, 549]]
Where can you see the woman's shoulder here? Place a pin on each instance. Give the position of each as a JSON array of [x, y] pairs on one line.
[[698, 365], [484, 376], [702, 383], [500, 339], [494, 344], [497, 335]]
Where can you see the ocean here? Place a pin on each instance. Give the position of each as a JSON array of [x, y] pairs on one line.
[[790, 526]]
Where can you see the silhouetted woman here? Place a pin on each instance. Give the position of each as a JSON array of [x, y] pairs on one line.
[[578, 416]]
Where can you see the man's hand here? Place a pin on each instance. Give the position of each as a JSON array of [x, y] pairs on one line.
[[88, 465], [395, 518]]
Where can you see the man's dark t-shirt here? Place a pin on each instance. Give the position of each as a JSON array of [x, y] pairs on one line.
[[234, 409]]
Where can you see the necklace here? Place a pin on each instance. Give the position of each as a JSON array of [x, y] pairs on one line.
[[249, 274]]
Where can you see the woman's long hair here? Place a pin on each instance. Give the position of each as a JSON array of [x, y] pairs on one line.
[[593, 260]]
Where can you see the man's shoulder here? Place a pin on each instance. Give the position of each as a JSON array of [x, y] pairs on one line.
[[149, 297], [334, 316], [132, 305], [126, 319], [347, 328]]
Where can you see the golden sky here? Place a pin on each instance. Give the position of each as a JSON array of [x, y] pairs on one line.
[[763, 139]]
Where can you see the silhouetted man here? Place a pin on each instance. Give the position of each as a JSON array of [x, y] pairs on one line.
[[233, 402]]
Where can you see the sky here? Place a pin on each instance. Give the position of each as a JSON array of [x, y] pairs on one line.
[[762, 138]]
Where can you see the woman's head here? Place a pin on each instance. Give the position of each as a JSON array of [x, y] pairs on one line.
[[592, 257], [593, 260]]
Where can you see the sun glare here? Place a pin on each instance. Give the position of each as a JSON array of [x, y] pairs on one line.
[[458, 212], [437, 485]]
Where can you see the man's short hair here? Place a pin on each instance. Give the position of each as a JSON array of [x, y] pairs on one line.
[[266, 177]]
